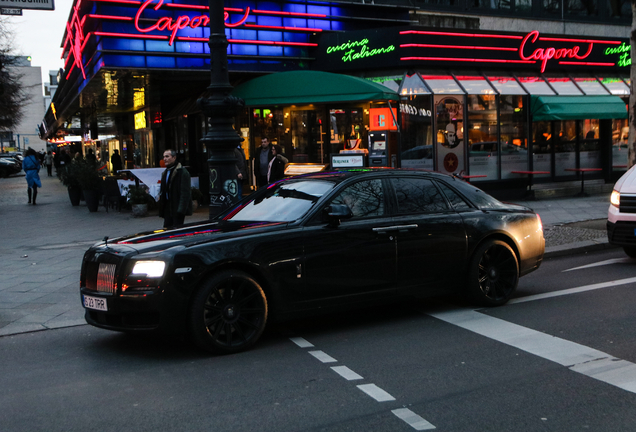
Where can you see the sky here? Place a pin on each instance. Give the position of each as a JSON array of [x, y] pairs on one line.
[[38, 33]]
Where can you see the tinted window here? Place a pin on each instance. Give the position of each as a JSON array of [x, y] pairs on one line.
[[481, 199], [415, 195], [456, 201], [365, 198]]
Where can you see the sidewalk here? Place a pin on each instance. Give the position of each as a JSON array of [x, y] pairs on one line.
[[43, 245]]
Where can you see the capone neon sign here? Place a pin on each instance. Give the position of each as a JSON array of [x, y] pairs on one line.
[[183, 21], [545, 54]]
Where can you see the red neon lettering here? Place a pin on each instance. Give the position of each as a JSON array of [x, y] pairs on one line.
[[549, 53], [181, 22]]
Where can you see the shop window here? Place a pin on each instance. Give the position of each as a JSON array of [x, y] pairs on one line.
[[490, 4], [590, 146], [536, 85], [417, 135], [449, 123], [581, 8], [482, 136], [418, 196], [506, 85], [564, 86], [542, 147], [347, 129], [616, 86], [307, 127], [364, 198], [590, 86], [620, 8], [564, 147], [620, 140]]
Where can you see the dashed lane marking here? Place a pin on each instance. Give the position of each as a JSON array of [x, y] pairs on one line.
[[346, 373], [602, 263], [323, 357], [573, 290], [376, 392], [302, 343], [412, 419]]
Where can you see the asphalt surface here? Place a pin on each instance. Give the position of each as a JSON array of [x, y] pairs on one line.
[[43, 245]]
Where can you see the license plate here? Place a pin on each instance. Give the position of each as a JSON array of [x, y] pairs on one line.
[[95, 303]]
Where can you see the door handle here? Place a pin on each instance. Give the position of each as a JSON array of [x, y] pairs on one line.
[[380, 230]]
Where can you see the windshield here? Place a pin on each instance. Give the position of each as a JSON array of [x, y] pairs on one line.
[[282, 202]]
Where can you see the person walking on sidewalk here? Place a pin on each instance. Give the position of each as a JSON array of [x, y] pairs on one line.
[[48, 161], [31, 166], [175, 199]]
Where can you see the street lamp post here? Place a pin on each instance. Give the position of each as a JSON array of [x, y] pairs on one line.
[[220, 108]]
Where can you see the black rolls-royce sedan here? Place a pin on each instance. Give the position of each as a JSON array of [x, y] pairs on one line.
[[307, 243]]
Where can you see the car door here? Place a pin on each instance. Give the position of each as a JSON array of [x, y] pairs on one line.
[[431, 239], [357, 257]]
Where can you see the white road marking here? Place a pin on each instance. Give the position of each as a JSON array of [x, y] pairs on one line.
[[602, 263], [412, 419], [301, 342], [323, 357], [573, 290], [376, 392], [346, 373], [578, 358]]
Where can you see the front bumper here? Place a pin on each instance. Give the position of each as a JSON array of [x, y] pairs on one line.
[[621, 233], [141, 312]]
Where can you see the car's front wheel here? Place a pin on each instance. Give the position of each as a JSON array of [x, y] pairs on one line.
[[630, 251], [493, 274], [228, 313]]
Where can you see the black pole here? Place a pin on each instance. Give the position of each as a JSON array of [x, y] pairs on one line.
[[220, 108]]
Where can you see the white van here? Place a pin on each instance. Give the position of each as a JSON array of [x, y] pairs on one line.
[[621, 216]]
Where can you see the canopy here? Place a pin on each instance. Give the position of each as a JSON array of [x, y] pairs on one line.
[[305, 87], [546, 108]]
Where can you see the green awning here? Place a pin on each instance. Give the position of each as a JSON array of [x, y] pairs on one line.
[[305, 87], [546, 108]]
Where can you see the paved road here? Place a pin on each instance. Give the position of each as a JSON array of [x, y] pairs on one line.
[[559, 357], [42, 247]]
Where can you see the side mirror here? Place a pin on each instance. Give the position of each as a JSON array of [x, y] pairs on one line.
[[334, 213]]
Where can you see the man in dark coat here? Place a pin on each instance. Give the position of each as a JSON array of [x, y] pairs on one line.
[[115, 162], [262, 157], [175, 202]]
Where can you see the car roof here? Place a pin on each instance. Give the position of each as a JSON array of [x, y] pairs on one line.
[[345, 174]]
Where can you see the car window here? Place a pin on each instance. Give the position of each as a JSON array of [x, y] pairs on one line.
[[282, 202], [417, 195], [364, 198], [481, 199], [456, 201]]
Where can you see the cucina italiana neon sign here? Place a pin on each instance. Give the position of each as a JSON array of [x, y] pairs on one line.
[[545, 54], [624, 51], [183, 21], [351, 50]]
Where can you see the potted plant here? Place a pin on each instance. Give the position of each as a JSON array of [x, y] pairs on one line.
[[68, 177], [89, 180], [197, 198], [138, 199]]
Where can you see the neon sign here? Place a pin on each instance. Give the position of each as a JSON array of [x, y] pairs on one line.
[[350, 48], [519, 49], [76, 40], [183, 21], [623, 51], [545, 54]]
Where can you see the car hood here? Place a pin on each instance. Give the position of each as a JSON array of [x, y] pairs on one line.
[[189, 235], [627, 182]]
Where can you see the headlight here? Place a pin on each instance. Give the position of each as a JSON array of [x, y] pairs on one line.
[[615, 199], [149, 268]]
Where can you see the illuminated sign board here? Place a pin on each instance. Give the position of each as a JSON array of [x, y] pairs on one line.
[[532, 51], [27, 4], [382, 119]]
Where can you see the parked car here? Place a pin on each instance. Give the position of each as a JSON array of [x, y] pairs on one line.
[[9, 166], [17, 157], [309, 244], [621, 215]]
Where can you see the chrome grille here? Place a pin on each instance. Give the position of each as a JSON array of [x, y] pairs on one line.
[[106, 278]]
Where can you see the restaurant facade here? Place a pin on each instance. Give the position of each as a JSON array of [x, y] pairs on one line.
[[347, 84]]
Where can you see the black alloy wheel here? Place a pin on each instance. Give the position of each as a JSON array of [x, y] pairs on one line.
[[493, 274], [228, 313]]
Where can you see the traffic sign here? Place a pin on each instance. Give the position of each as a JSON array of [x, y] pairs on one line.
[[11, 11], [26, 4]]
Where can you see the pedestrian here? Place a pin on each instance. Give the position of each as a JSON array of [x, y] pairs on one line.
[[240, 168], [175, 198], [276, 168], [115, 162], [31, 166], [48, 161], [263, 156], [65, 159], [90, 157]]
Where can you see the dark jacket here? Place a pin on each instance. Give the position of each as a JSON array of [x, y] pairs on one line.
[[277, 171], [257, 159], [240, 162], [179, 191]]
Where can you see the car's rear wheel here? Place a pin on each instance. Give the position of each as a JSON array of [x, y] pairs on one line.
[[493, 274], [228, 313], [630, 251]]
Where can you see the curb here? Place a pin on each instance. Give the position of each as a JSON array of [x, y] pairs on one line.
[[578, 247]]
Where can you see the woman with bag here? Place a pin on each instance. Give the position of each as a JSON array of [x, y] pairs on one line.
[[31, 167]]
